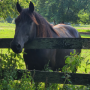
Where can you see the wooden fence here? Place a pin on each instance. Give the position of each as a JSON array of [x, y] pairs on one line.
[[52, 43]]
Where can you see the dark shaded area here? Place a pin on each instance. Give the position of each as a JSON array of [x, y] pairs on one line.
[[86, 33], [52, 43]]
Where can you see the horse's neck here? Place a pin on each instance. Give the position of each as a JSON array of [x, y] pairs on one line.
[[34, 30]]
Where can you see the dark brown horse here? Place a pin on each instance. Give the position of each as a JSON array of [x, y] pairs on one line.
[[30, 25]]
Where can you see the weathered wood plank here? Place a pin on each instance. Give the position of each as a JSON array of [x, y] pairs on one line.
[[52, 43], [5, 42], [56, 77]]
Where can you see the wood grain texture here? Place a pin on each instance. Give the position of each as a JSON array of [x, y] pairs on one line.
[[52, 43]]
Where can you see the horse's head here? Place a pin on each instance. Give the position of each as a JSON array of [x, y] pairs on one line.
[[25, 27]]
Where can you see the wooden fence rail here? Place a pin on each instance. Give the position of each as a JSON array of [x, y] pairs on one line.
[[52, 43], [54, 77]]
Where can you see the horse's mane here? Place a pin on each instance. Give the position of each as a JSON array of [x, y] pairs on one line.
[[44, 29]]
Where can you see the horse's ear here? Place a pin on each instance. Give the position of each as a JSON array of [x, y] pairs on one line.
[[18, 7], [31, 7]]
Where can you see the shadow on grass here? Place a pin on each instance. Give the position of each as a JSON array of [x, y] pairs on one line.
[[88, 31]]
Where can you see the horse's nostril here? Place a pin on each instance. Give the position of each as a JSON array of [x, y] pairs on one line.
[[18, 46]]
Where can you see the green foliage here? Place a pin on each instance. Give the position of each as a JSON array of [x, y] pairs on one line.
[[72, 62], [84, 17], [9, 62], [53, 10], [8, 65], [8, 7], [47, 68], [2, 20], [60, 10]]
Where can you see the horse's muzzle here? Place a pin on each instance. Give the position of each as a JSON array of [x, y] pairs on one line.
[[16, 47]]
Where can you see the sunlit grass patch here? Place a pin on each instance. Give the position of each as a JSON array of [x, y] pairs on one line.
[[7, 25], [7, 33], [83, 30], [85, 36], [85, 63]]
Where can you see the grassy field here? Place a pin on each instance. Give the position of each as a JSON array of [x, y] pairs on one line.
[[7, 31]]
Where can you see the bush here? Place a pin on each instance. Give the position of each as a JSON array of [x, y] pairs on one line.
[[8, 68], [8, 65]]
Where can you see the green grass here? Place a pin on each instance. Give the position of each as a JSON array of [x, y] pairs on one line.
[[82, 28], [7, 25], [78, 26], [7, 30], [6, 33], [86, 54], [85, 36]]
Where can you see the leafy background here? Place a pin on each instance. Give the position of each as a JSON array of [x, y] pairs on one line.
[[59, 11]]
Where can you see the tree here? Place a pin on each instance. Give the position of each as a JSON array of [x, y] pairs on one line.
[[53, 10], [84, 17], [61, 10], [8, 7]]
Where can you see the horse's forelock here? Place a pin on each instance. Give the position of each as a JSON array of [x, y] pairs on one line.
[[34, 19]]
